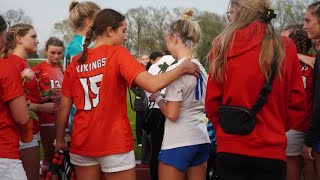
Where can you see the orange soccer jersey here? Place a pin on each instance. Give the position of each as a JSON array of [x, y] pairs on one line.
[[10, 88], [98, 88], [50, 77], [32, 87]]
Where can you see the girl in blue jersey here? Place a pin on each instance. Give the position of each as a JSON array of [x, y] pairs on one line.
[[80, 20]]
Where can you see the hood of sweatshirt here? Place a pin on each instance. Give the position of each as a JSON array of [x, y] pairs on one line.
[[246, 39]]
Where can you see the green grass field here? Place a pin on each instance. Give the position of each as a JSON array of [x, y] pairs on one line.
[[131, 115]]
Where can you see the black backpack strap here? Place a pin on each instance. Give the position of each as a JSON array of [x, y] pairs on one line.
[[267, 86]]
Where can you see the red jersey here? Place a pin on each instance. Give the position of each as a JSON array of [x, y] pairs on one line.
[[284, 110], [31, 86], [98, 89], [10, 88], [50, 77], [307, 74]]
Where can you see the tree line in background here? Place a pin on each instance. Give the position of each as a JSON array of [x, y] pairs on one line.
[[147, 25]]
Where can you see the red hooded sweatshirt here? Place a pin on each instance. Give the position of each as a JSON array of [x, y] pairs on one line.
[[244, 80]]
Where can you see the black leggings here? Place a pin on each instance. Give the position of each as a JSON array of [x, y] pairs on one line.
[[140, 118], [156, 125], [239, 167]]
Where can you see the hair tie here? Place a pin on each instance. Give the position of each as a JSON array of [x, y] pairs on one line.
[[269, 16], [76, 3], [188, 43]]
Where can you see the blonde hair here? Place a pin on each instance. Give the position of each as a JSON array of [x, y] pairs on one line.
[[246, 12], [81, 11], [13, 32], [188, 30]]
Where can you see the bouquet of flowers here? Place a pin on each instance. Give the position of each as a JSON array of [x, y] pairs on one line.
[[54, 94]]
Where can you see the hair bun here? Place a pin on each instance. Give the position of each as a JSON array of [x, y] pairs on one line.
[[187, 14], [72, 5]]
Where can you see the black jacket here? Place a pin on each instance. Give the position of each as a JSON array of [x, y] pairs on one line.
[[314, 127], [141, 101]]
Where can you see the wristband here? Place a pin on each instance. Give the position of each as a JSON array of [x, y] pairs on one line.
[[159, 98]]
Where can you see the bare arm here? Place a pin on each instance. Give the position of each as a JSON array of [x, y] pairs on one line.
[[19, 110], [170, 109], [46, 107], [307, 60], [62, 120], [153, 84], [307, 152]]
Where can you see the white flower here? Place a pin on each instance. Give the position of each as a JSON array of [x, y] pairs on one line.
[[27, 74]]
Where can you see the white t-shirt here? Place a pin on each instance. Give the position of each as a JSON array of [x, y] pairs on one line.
[[190, 128], [154, 70]]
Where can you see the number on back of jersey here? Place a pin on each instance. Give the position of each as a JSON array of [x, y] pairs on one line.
[[91, 88]]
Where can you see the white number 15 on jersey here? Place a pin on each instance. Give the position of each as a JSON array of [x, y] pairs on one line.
[[91, 84]]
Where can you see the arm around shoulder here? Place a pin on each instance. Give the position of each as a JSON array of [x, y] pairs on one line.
[[155, 83], [307, 60]]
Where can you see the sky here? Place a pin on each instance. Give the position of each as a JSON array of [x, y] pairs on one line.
[[44, 13]]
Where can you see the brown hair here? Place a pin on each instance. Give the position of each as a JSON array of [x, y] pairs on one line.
[[104, 19], [3, 24], [315, 9], [300, 38], [247, 12], [81, 11], [292, 27], [13, 32], [53, 41]]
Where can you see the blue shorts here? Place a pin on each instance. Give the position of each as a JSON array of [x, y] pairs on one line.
[[184, 157], [316, 146]]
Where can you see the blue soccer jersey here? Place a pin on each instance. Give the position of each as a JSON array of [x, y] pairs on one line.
[[74, 48]]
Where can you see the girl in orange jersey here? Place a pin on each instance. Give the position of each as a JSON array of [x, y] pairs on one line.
[[96, 82], [13, 112], [51, 76], [22, 40]]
